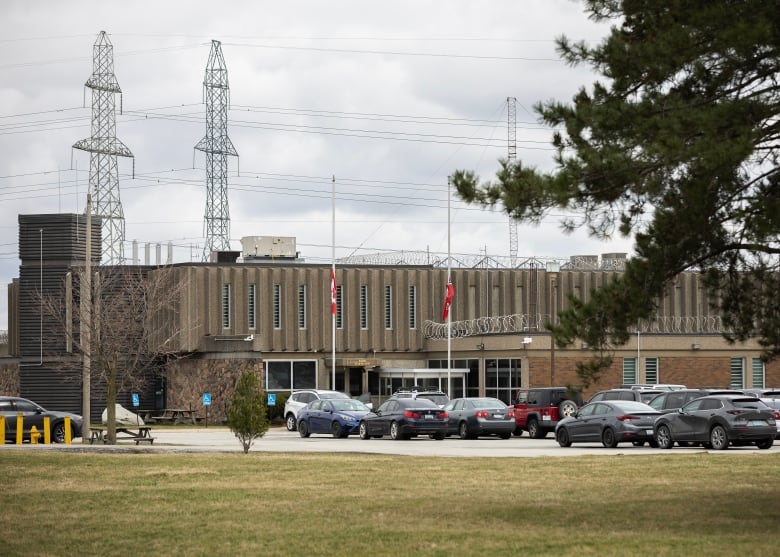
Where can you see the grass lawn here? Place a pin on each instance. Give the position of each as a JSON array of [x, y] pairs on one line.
[[269, 504]]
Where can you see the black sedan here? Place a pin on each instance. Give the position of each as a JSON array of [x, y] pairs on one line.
[[33, 415], [608, 421], [717, 421], [471, 417], [403, 418]]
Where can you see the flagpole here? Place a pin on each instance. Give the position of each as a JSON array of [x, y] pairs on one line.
[[449, 313], [333, 284]]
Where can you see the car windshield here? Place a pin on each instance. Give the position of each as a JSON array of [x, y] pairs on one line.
[[633, 406], [487, 403], [417, 403], [334, 394], [441, 400], [348, 404]]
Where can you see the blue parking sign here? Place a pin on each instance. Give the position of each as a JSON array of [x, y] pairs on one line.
[[206, 399], [136, 400], [271, 399]]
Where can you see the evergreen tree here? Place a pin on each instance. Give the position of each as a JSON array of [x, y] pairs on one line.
[[247, 416], [676, 146]]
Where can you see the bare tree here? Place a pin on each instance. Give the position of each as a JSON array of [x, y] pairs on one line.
[[134, 326]]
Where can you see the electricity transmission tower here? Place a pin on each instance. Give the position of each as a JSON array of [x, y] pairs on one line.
[[217, 146], [511, 117], [104, 148]]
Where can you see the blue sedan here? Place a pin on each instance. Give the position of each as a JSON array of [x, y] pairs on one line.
[[336, 416]]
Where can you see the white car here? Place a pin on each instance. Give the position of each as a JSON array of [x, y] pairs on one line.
[[299, 399]]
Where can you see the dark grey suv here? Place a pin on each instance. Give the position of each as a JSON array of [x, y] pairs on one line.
[[33, 415]]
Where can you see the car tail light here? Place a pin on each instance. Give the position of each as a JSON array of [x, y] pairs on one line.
[[412, 415], [627, 417], [480, 414], [511, 413], [443, 415]]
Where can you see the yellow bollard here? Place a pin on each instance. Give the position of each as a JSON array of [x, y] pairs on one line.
[[34, 435], [2, 430], [67, 431], [47, 430], [19, 428]]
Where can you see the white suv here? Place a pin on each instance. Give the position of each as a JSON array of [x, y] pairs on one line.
[[299, 399]]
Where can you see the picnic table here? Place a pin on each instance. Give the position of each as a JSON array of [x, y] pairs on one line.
[[139, 434], [175, 416]]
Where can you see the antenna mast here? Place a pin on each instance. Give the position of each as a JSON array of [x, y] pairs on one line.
[[104, 148], [217, 146], [511, 121]]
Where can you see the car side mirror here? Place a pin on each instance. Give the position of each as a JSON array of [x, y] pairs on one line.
[[680, 411]]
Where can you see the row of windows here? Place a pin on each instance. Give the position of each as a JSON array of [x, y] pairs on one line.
[[737, 373], [303, 307]]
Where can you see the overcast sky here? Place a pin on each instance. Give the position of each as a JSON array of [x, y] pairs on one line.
[[389, 98]]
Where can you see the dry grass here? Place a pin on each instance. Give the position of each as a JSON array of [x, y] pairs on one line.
[[304, 504]]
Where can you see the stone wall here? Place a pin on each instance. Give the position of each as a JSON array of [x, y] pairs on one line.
[[188, 379]]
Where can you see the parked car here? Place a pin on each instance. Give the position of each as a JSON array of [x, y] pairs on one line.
[[403, 418], [299, 399], [638, 395], [435, 395], [608, 421], [670, 401], [33, 415], [717, 421], [337, 416], [471, 417], [538, 410], [653, 386]]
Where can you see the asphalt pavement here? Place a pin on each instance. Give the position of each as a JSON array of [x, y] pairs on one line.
[[278, 439]]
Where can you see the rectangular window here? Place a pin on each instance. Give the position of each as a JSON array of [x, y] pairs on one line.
[[629, 371], [364, 306], [286, 375], [339, 308], [251, 296], [737, 368], [388, 307], [758, 375], [651, 371], [412, 307], [226, 306], [301, 306], [277, 301]]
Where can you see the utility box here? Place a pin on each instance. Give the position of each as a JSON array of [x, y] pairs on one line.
[[265, 247]]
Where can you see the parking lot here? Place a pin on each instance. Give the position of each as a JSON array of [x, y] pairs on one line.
[[278, 439]]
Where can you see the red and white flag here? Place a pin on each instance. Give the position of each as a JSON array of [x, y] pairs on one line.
[[448, 299], [333, 291]]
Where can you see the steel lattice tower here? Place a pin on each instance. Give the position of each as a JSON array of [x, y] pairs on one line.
[[217, 146], [104, 148], [511, 121]]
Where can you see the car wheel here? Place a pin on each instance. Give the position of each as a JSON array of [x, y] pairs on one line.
[[463, 431], [303, 429], [608, 438], [395, 432], [718, 438], [58, 433], [336, 431], [663, 436], [765, 443], [534, 431], [567, 408], [363, 431], [562, 436], [290, 421]]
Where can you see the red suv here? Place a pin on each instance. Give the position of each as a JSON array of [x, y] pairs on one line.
[[538, 410]]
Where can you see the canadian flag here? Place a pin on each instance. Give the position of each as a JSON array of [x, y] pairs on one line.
[[448, 299], [333, 291]]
